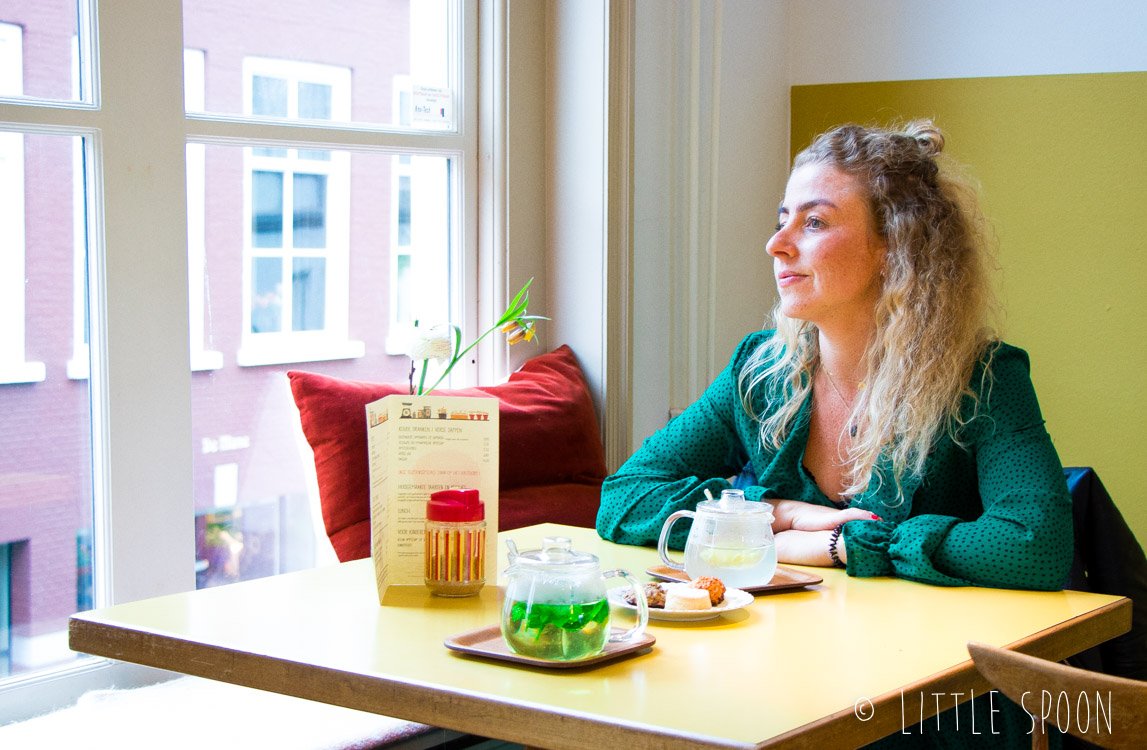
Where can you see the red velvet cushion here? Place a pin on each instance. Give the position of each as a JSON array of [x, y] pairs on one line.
[[549, 435], [571, 503]]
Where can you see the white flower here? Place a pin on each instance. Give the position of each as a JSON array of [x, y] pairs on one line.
[[431, 343]]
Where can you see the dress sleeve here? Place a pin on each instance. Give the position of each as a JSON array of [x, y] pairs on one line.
[[1023, 536], [697, 450]]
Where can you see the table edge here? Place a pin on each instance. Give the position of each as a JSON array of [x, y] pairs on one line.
[[532, 726]]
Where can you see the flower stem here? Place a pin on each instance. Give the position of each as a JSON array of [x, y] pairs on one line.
[[422, 379]]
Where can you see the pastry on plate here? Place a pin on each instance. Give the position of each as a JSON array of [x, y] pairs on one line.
[[713, 585], [679, 598], [654, 595]]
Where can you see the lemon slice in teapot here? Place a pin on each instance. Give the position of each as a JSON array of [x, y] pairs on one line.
[[730, 558]]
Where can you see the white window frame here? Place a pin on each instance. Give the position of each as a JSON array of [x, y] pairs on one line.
[[13, 367], [135, 133], [333, 341]]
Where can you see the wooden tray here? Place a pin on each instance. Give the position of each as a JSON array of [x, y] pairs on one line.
[[784, 578], [488, 642]]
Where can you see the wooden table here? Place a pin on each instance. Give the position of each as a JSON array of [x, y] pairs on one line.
[[754, 677]]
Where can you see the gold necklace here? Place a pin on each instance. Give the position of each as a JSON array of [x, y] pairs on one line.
[[843, 400]]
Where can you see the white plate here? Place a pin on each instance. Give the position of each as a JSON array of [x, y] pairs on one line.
[[734, 599]]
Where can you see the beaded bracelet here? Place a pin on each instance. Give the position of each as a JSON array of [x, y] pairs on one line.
[[832, 540]]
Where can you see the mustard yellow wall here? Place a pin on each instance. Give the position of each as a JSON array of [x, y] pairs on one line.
[[1062, 164]]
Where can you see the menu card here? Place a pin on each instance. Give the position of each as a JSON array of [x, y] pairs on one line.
[[419, 445]]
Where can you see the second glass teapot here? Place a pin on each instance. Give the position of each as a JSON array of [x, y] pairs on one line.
[[731, 539], [556, 605]]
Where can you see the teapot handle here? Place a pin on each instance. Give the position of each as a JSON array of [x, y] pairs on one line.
[[663, 542], [638, 628]]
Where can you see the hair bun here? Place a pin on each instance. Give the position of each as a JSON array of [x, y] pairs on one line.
[[926, 135]]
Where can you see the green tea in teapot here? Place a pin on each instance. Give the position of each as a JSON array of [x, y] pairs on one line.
[[561, 632], [555, 606]]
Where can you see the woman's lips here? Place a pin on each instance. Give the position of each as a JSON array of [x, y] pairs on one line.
[[788, 278]]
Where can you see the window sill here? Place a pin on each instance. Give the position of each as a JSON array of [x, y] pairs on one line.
[[22, 372], [206, 360], [298, 351], [78, 368]]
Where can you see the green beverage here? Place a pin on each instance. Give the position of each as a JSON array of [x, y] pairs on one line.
[[562, 632]]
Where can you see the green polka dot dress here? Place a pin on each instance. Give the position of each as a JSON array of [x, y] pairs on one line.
[[993, 512]]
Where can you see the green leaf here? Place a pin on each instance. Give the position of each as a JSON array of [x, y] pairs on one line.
[[517, 305], [521, 292]]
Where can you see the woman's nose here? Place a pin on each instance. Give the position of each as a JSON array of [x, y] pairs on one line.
[[779, 243]]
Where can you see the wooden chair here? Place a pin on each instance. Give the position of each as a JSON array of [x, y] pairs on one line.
[[1107, 711]]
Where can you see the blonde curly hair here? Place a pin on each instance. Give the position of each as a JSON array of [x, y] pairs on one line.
[[931, 318]]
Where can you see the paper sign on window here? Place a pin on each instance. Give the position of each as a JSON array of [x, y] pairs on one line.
[[432, 107]]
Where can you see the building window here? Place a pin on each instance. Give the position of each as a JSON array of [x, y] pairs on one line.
[[419, 209], [13, 367], [203, 355], [297, 230]]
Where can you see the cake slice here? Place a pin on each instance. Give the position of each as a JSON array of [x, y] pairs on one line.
[[685, 598]]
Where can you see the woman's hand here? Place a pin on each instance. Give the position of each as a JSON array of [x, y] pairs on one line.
[[794, 515]]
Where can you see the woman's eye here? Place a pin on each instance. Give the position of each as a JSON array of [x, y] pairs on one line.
[[779, 227], [814, 223]]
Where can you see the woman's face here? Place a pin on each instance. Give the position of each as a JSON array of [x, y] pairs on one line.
[[826, 253]]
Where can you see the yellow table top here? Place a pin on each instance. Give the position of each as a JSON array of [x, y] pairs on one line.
[[799, 663]]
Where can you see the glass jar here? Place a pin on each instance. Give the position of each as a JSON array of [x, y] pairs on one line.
[[455, 543]]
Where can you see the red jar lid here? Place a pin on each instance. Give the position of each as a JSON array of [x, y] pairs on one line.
[[455, 506]]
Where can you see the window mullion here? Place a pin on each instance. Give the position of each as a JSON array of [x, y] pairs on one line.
[[141, 376], [233, 130]]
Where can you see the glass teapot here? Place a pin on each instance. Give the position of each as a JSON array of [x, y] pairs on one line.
[[731, 539], [555, 605]]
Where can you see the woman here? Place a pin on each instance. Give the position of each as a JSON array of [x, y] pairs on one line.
[[892, 433]]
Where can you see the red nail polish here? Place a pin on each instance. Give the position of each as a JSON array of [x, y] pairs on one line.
[[876, 517]]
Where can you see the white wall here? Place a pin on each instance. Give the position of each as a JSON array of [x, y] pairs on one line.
[[525, 144], [575, 176], [844, 41], [711, 124]]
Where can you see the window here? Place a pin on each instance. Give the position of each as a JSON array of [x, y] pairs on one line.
[[46, 505], [279, 186], [401, 279], [203, 357], [303, 277], [418, 244]]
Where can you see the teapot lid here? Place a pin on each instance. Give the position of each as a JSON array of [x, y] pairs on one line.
[[556, 551], [733, 502]]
